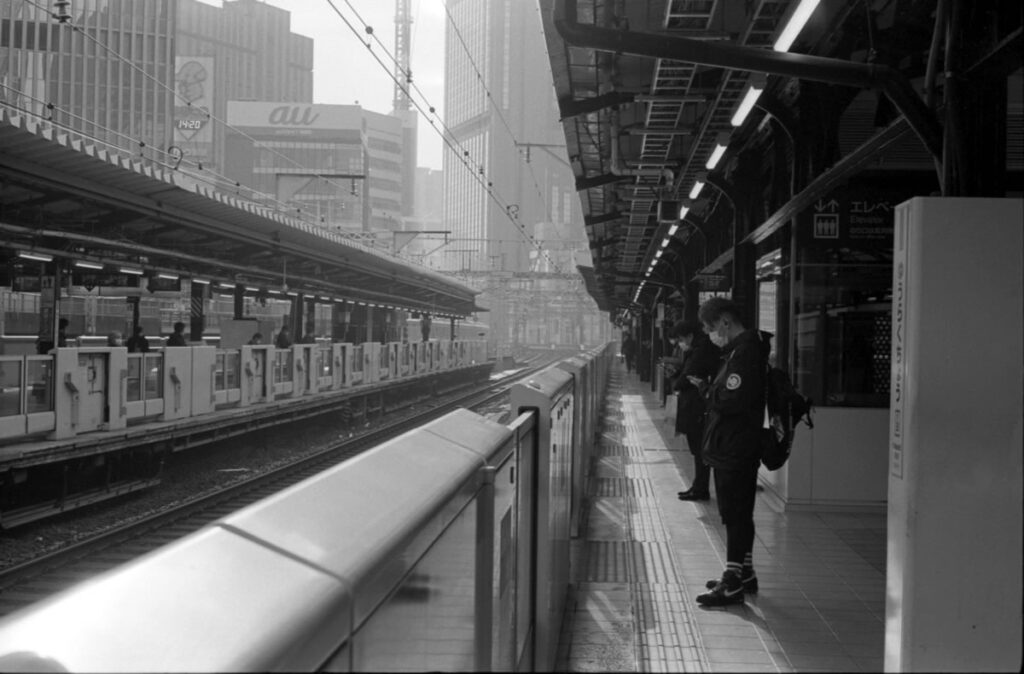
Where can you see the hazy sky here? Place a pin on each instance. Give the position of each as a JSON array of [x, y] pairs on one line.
[[345, 72]]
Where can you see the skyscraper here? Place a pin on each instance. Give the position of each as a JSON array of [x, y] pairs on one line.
[[104, 68], [503, 120]]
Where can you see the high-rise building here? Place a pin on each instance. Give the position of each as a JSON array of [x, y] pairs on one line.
[[339, 164], [103, 68], [510, 179], [503, 118], [242, 51]]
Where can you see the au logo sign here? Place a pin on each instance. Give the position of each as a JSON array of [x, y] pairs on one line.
[[826, 225]]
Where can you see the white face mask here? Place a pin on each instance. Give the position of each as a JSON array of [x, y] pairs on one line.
[[717, 337]]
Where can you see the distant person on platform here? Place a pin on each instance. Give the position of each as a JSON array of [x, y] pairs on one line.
[[257, 338], [628, 351], [45, 345], [284, 338], [115, 338], [137, 343], [177, 337], [700, 364]]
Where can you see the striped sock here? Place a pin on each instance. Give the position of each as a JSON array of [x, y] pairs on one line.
[[748, 565], [735, 567]]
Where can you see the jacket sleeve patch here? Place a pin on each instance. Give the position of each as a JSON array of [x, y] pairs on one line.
[[733, 382]]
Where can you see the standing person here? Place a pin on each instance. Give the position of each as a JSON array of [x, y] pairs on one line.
[[628, 351], [137, 342], [700, 363], [177, 337], [284, 338], [736, 407]]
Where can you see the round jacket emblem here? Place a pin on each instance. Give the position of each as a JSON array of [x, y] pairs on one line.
[[733, 382]]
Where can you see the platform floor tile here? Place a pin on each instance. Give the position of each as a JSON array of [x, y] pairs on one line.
[[643, 556]]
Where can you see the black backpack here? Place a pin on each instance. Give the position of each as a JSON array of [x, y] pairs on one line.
[[786, 409]]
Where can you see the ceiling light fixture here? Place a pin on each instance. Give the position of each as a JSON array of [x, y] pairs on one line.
[[88, 265], [721, 143], [130, 270], [38, 257], [697, 187], [795, 24], [675, 228], [664, 242], [201, 281], [169, 277], [755, 88]]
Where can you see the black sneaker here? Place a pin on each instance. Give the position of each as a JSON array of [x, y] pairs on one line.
[[749, 583], [727, 591]]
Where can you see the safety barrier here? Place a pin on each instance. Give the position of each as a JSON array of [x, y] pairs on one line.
[[445, 549], [99, 388]]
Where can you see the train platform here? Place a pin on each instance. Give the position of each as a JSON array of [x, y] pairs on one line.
[[643, 556]]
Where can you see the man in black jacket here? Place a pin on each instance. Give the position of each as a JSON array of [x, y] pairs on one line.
[[700, 362], [731, 442]]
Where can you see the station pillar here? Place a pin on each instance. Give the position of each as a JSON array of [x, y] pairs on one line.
[[197, 311], [956, 470], [239, 305]]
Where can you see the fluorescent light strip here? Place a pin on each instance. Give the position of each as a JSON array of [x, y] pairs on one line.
[[658, 254], [716, 156], [169, 277], [88, 265], [664, 243], [201, 281], [796, 23], [129, 270], [675, 228], [747, 104], [38, 257], [683, 210], [697, 187]]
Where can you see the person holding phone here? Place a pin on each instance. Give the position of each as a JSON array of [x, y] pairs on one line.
[[699, 365]]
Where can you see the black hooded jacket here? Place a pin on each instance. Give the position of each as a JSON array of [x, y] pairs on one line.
[[736, 404]]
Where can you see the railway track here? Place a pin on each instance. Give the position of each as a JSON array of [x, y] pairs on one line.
[[38, 578]]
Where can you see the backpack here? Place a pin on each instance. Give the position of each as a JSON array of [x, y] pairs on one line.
[[785, 409]]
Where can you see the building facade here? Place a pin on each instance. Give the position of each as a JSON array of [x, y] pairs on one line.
[[503, 121], [104, 69], [338, 164], [242, 51]]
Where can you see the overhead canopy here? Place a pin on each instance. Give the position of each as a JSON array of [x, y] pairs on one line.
[[72, 198], [648, 89]]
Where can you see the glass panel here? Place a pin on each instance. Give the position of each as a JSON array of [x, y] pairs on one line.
[[134, 377], [154, 376], [10, 387], [326, 364], [842, 319], [39, 375], [218, 372], [232, 363]]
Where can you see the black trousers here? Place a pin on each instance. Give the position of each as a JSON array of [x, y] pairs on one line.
[[701, 471], [736, 491]]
